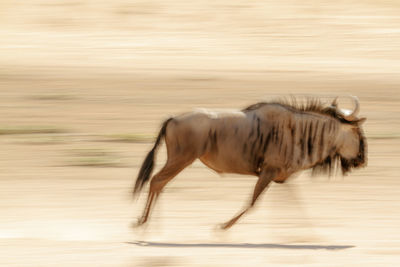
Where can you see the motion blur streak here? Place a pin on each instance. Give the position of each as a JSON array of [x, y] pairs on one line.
[[83, 88]]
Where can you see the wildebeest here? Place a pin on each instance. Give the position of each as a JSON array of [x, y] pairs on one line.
[[271, 140]]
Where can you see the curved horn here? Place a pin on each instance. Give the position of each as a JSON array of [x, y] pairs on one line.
[[353, 115]]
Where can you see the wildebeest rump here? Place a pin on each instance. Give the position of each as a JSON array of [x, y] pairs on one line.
[[271, 140]]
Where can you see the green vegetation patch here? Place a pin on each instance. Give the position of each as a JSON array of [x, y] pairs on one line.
[[8, 130], [94, 158], [130, 138], [52, 97], [41, 139], [378, 136]]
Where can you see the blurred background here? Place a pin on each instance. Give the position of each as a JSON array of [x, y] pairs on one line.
[[84, 86]]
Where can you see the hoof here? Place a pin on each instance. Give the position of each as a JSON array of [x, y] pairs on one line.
[[225, 226], [138, 223]]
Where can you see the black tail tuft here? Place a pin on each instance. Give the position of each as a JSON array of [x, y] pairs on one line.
[[148, 163]]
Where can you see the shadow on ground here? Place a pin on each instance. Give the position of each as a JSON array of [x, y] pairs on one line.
[[243, 245]]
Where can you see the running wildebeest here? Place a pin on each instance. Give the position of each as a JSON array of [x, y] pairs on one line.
[[269, 140]]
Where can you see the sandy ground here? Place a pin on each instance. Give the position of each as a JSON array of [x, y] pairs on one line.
[[85, 85]]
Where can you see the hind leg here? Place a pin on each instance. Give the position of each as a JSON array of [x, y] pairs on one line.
[[160, 180]]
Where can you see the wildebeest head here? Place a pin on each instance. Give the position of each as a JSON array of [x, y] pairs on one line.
[[352, 142]]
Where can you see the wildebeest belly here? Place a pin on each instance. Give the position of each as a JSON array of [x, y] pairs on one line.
[[227, 162]]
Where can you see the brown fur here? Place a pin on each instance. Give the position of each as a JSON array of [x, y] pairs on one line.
[[269, 140]]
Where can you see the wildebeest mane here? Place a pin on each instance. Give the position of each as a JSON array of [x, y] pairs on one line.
[[332, 164], [309, 105]]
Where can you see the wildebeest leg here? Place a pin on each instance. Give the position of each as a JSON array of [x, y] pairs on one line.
[[166, 174], [264, 179]]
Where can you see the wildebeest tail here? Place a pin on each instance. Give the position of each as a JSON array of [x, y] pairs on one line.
[[148, 163]]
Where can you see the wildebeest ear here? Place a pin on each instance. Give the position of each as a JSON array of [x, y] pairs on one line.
[[334, 102], [361, 121]]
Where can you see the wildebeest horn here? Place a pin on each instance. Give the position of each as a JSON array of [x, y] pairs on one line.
[[353, 115], [348, 115]]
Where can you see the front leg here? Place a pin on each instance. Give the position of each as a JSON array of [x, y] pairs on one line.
[[265, 177]]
